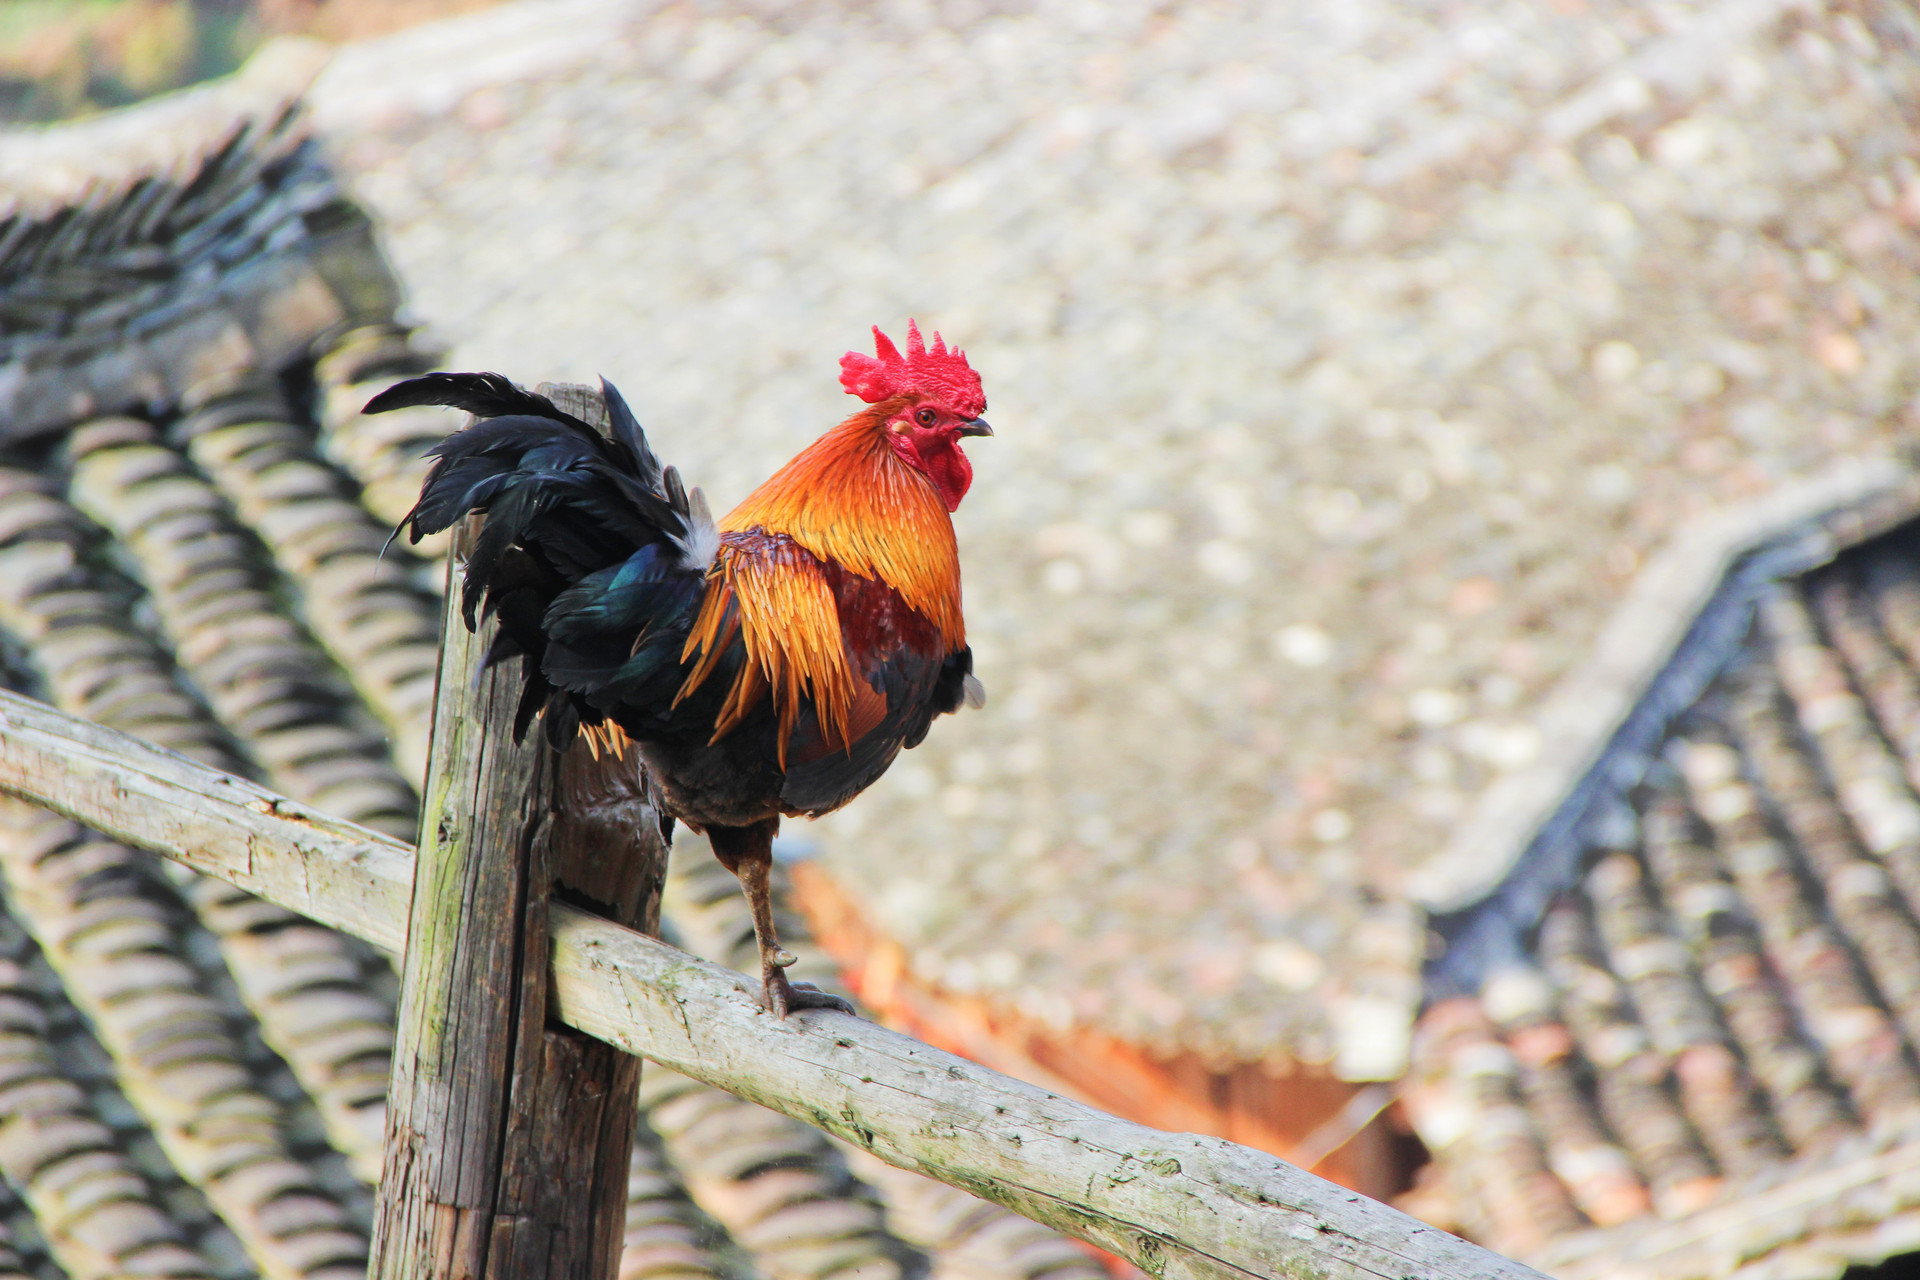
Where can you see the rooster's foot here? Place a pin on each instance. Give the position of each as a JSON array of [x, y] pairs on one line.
[[783, 997]]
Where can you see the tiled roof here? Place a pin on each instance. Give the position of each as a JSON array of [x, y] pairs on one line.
[[1701, 1060], [1346, 361], [192, 1079]]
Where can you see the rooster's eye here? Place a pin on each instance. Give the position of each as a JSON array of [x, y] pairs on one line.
[[925, 417]]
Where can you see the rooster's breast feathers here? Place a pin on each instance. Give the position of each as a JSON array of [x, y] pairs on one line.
[[841, 577], [837, 652]]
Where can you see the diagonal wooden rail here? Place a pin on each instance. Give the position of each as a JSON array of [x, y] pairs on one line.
[[1178, 1205]]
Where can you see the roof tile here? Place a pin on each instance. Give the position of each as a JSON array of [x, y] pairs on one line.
[[1736, 969]]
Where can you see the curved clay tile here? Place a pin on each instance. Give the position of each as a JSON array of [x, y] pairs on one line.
[[319, 996], [97, 1212], [781, 1189], [12, 1265], [667, 1237], [90, 659], [1858, 893], [359, 596], [1868, 778], [1891, 688], [386, 453], [1715, 1089], [264, 677], [1732, 960], [1490, 1135], [1892, 582], [1633, 1081], [791, 1194], [969, 1238], [94, 908], [1596, 1170]]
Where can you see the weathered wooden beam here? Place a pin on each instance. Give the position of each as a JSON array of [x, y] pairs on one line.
[[1176, 1204], [507, 1137], [342, 875], [1179, 1205]]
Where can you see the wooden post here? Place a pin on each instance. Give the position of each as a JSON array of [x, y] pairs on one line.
[[508, 1134]]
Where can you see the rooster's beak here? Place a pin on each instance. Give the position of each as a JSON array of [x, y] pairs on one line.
[[976, 427]]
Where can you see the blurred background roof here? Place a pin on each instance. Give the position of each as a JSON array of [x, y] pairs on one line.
[[1693, 1057], [1348, 362]]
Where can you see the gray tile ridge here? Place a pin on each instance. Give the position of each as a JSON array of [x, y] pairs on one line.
[[1579, 716]]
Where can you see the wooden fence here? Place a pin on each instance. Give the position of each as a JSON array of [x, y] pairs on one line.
[[1178, 1205]]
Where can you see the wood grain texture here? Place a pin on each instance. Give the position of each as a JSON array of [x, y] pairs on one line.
[[508, 1138], [563, 1183], [328, 870], [459, 1020], [1177, 1204]]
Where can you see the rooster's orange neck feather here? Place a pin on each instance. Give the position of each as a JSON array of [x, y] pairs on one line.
[[850, 499], [847, 499]]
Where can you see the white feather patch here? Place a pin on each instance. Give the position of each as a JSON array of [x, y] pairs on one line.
[[973, 691], [702, 541]]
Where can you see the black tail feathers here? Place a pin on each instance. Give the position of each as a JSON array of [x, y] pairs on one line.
[[562, 502]]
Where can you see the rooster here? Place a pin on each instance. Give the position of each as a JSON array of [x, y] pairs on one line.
[[767, 665]]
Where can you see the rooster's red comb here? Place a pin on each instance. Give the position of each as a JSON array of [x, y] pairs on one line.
[[940, 373]]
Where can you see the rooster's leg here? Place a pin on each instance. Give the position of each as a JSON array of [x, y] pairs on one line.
[[748, 853]]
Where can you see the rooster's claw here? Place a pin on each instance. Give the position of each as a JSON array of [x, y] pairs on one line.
[[784, 997]]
